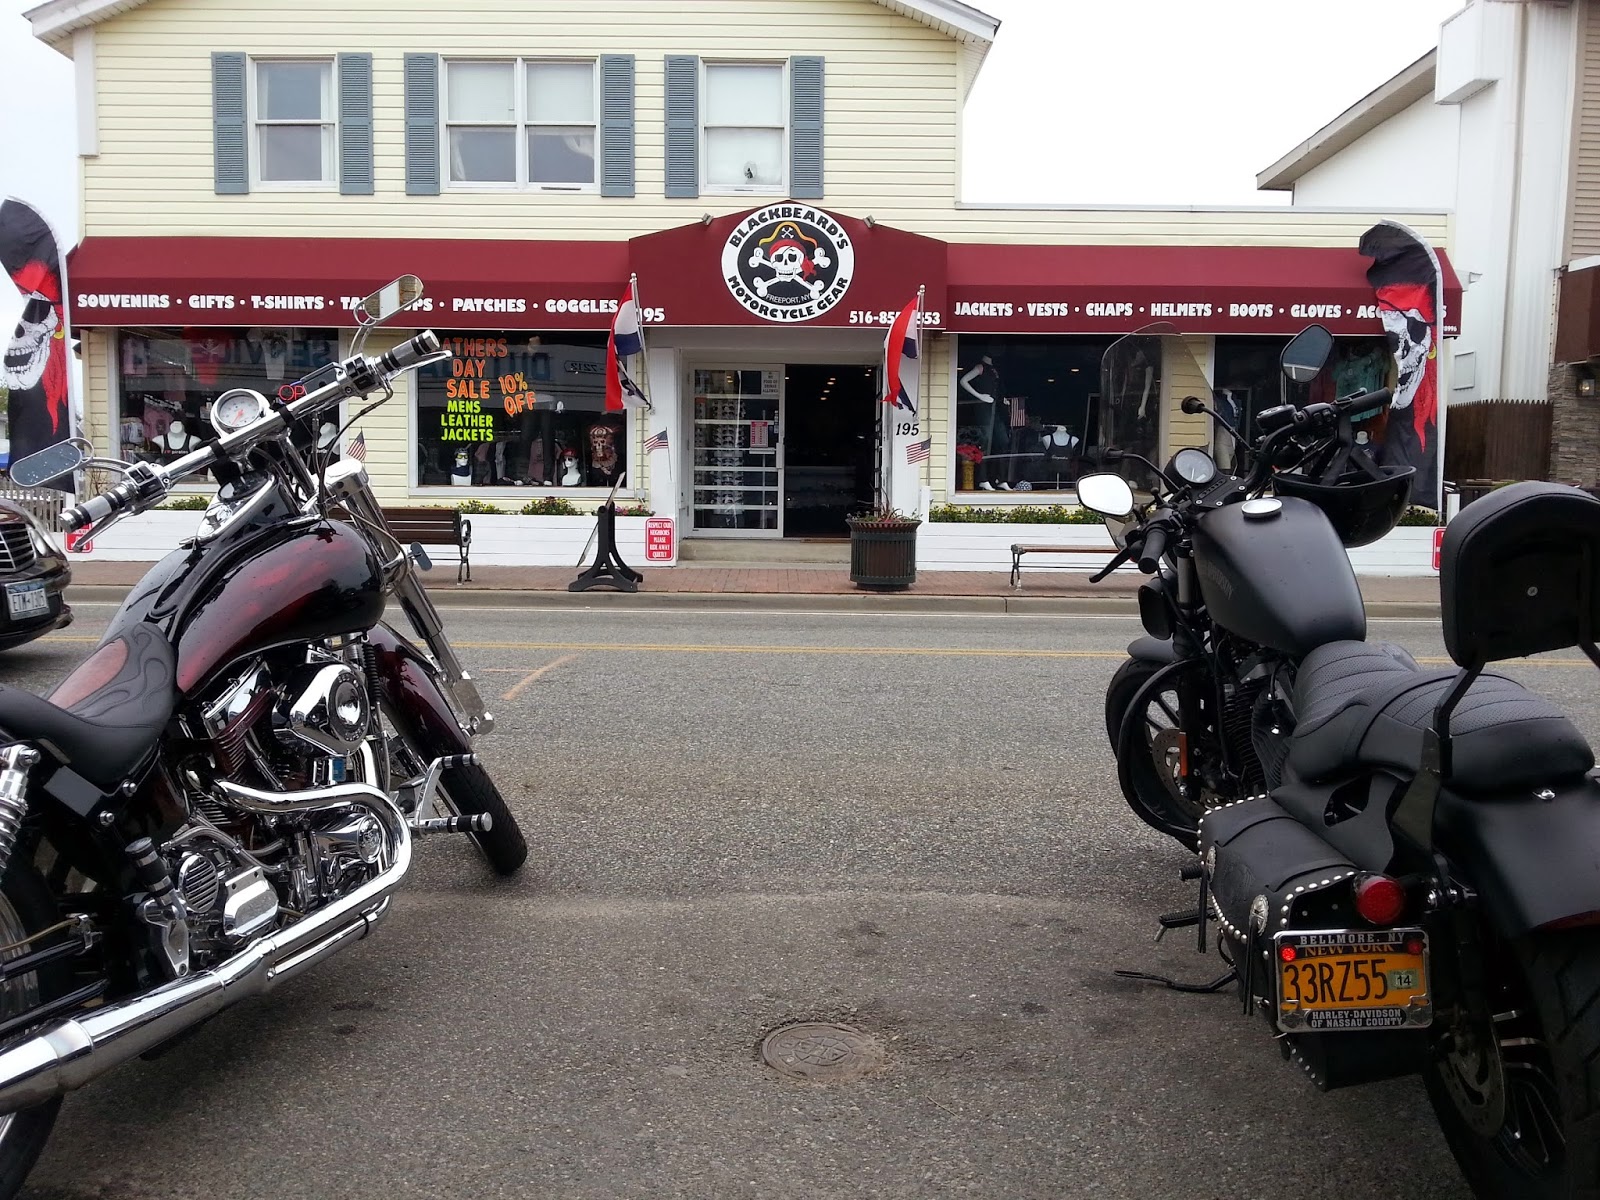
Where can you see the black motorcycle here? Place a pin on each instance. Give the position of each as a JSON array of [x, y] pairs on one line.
[[226, 790], [1403, 866]]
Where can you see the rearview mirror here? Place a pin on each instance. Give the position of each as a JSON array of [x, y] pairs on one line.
[[50, 463], [387, 301], [1109, 495], [1303, 358]]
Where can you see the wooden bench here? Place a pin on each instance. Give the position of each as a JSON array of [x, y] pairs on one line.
[[1018, 549], [434, 527]]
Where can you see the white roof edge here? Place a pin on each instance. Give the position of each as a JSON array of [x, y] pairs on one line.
[[56, 20], [1396, 94]]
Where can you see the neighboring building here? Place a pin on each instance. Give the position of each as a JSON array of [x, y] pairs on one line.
[[781, 176], [1501, 126]]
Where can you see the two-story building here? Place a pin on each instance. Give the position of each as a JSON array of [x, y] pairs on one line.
[[779, 177]]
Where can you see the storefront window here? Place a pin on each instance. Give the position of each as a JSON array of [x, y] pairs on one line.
[[168, 379], [1248, 380], [1027, 412], [518, 409]]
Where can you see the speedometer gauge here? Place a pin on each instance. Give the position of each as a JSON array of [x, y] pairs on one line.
[[235, 409]]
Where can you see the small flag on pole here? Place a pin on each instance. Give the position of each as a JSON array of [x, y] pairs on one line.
[[900, 360], [917, 452], [358, 448], [625, 344], [656, 441]]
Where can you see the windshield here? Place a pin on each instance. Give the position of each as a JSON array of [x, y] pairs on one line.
[[1136, 373]]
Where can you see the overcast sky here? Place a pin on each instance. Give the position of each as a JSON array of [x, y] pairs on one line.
[[1139, 102]]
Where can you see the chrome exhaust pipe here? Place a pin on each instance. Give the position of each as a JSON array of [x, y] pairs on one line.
[[68, 1054]]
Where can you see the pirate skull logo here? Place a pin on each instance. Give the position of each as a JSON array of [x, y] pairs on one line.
[[788, 262], [793, 258]]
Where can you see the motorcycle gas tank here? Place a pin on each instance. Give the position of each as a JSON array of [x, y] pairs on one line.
[[1279, 578], [287, 584]]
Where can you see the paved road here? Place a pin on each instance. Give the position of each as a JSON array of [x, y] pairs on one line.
[[739, 820]]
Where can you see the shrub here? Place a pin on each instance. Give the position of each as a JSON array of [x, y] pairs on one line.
[[477, 508], [550, 506], [186, 504], [1022, 514]]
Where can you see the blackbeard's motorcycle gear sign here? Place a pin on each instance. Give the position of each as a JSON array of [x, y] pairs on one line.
[[1399, 864], [35, 366], [227, 790]]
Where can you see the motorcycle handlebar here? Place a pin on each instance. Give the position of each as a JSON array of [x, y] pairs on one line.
[[1155, 545], [97, 508], [408, 353]]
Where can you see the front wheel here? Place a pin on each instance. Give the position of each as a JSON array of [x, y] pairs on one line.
[[1154, 764], [466, 792], [1519, 1098]]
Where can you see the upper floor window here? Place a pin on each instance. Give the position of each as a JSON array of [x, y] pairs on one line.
[[521, 122], [295, 123], [745, 129]]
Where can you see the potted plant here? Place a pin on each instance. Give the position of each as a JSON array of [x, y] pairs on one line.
[[883, 549], [970, 457]]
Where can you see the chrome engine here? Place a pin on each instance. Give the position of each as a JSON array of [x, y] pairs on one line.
[[295, 730]]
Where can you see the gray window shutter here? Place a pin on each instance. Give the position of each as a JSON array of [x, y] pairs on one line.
[[355, 124], [422, 124], [230, 137], [616, 124], [805, 128], [683, 125]]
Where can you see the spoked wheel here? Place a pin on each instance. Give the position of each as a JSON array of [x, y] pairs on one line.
[[1153, 764], [1518, 1095], [25, 908]]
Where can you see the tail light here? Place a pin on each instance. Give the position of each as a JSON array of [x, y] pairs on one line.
[[1380, 900]]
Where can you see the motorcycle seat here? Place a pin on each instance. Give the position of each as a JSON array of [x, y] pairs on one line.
[[107, 715], [1358, 706]]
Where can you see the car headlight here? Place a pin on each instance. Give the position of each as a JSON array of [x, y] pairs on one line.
[[42, 543]]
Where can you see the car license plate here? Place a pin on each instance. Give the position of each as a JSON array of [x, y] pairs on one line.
[[1348, 979], [27, 599]]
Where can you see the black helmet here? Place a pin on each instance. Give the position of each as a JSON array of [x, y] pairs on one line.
[[1362, 509]]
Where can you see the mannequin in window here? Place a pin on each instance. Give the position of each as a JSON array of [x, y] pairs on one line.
[[981, 385]]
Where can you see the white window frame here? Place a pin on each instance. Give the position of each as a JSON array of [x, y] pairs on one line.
[[330, 158], [707, 188], [521, 123]]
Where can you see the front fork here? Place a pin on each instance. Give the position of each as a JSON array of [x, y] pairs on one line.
[[347, 480]]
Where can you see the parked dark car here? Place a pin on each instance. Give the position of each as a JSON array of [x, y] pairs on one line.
[[33, 579]]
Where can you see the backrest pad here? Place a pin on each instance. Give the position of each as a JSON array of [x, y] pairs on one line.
[[1520, 573]]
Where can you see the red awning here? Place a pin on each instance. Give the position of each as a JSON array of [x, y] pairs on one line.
[[315, 281], [1199, 289]]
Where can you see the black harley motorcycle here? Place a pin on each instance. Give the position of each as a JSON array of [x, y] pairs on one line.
[[226, 790], [1403, 866]]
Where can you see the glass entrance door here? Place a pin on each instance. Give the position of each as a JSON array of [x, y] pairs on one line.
[[738, 466]]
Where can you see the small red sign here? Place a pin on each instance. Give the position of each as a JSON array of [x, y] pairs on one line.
[[658, 539], [1438, 545], [77, 543]]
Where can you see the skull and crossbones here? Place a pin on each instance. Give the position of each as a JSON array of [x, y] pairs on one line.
[[786, 255], [29, 351]]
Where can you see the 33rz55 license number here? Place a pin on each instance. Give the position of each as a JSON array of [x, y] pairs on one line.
[[1345, 980]]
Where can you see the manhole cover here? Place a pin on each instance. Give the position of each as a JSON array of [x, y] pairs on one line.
[[822, 1053]]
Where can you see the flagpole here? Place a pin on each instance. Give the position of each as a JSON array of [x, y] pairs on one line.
[[922, 362]]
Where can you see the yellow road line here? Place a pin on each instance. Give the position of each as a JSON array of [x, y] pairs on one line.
[[863, 651], [521, 684]]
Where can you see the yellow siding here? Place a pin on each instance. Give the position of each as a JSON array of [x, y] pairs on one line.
[[1583, 233], [1184, 377], [891, 109], [97, 349]]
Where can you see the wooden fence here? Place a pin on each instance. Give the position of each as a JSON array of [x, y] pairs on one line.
[[1498, 439]]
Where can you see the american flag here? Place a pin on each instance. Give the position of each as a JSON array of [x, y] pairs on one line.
[[358, 448], [656, 441], [917, 452]]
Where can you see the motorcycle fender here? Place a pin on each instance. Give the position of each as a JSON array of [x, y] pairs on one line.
[[413, 696], [1534, 862], [1149, 649]]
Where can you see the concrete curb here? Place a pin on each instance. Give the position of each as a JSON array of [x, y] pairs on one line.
[[845, 602]]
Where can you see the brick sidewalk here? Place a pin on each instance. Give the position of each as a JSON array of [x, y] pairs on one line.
[[800, 581]]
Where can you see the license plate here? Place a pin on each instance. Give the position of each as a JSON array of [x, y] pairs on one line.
[[1344, 979], [27, 599]]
